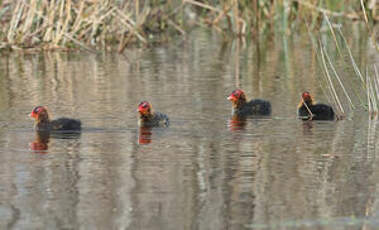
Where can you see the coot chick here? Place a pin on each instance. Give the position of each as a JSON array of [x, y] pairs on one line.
[[150, 118], [243, 108], [314, 111], [43, 122]]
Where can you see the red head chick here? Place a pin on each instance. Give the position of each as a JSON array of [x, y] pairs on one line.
[[145, 109], [306, 98], [237, 97], [39, 113]]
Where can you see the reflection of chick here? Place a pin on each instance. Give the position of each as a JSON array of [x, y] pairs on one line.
[[144, 135], [319, 111], [43, 123], [41, 141], [237, 123], [243, 108], [149, 118]]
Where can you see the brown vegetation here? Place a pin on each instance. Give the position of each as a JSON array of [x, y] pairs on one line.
[[92, 24]]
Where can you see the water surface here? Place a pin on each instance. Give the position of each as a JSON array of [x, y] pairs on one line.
[[204, 171]]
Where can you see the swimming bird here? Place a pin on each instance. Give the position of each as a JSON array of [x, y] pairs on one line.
[[308, 110], [43, 122], [150, 118], [243, 108]]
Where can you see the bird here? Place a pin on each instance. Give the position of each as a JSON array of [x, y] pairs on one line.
[[308, 110], [43, 122], [150, 118], [242, 108]]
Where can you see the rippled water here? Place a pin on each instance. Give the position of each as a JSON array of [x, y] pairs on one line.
[[204, 171]]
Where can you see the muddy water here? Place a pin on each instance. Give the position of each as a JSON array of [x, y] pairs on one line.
[[204, 171]]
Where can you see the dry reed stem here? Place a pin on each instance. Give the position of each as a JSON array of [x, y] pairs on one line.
[[237, 20], [373, 106], [373, 39], [170, 22], [49, 20], [334, 93], [222, 14], [375, 90], [68, 18], [79, 18], [29, 18], [130, 24], [355, 67], [58, 24], [368, 96], [332, 31], [376, 80], [62, 24], [338, 78], [64, 34], [137, 8], [364, 12], [202, 5], [325, 11], [309, 110], [14, 22], [237, 64]]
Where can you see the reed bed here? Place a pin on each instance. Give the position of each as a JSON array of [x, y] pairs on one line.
[[93, 24], [82, 24], [372, 88], [335, 85]]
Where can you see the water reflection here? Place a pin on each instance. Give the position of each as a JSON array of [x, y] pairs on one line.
[[237, 123], [144, 135], [307, 127], [42, 139], [40, 144]]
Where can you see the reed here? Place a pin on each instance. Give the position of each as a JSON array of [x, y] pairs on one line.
[[372, 88], [83, 24], [367, 83], [90, 25]]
